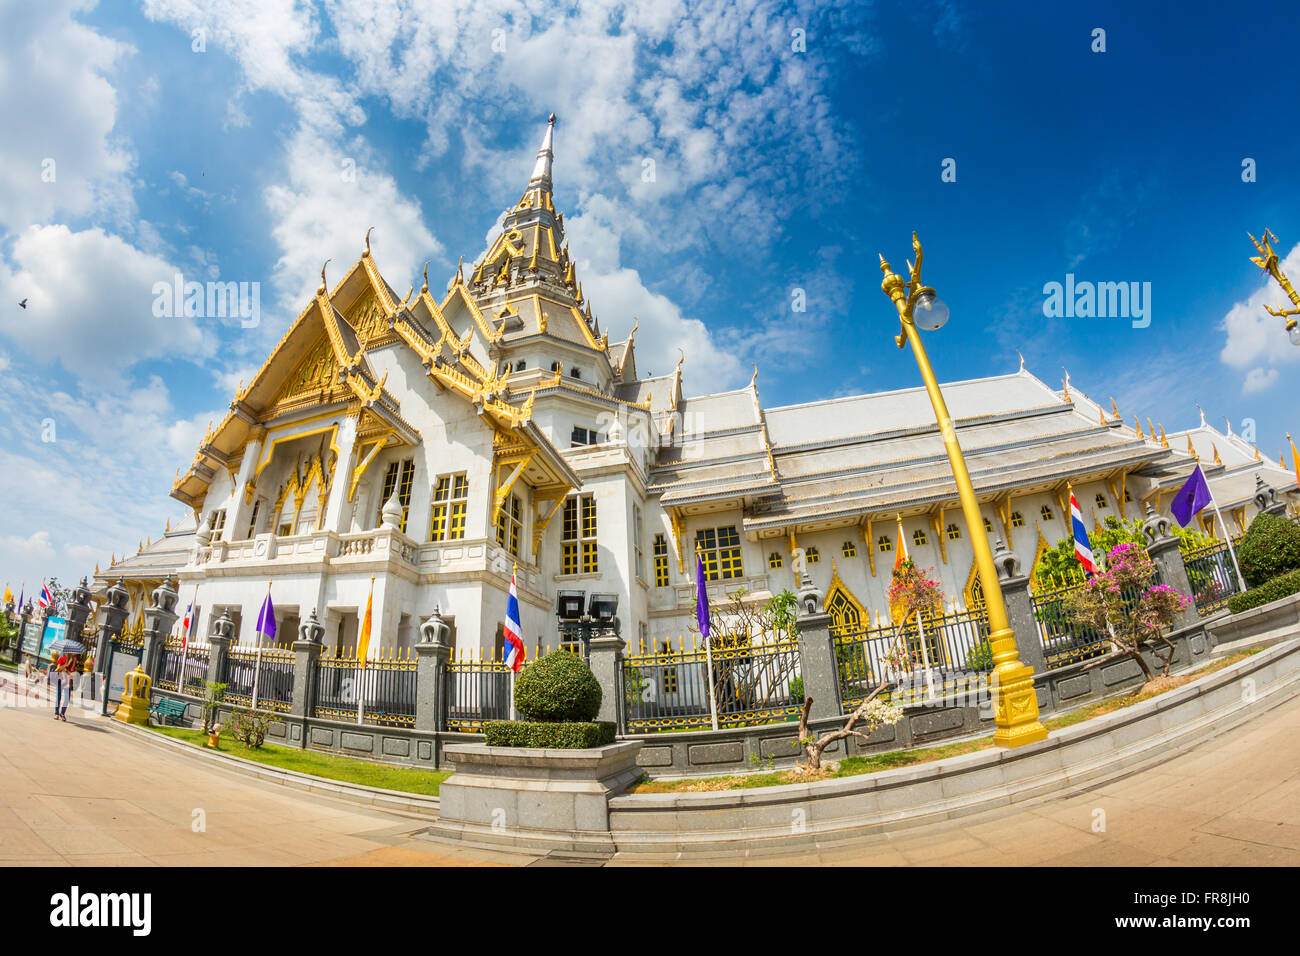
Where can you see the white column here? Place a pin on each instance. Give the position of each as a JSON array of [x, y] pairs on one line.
[[237, 521], [337, 511]]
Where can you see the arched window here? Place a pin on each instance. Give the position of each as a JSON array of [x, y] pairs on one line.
[[884, 544], [520, 365], [1101, 501], [1046, 512], [1016, 519], [775, 561], [812, 555], [849, 549], [953, 532], [918, 537], [575, 372], [845, 616], [555, 366]]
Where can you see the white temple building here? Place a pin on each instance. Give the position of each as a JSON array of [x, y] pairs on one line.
[[435, 443]]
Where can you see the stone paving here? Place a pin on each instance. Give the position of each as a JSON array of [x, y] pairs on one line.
[[80, 793]]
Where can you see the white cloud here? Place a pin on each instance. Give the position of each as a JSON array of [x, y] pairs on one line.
[[324, 210], [1258, 380], [59, 107], [90, 304], [1254, 339]]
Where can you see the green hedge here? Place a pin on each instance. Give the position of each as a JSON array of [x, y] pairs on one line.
[[1271, 547], [1272, 590], [553, 736], [557, 687]]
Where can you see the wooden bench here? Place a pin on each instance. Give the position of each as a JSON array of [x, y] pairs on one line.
[[166, 709]]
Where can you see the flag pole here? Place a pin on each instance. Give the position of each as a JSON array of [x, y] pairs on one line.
[[362, 653], [1227, 539], [185, 645], [257, 666], [708, 642]]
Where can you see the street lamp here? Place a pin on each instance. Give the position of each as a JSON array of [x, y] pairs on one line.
[[1015, 703], [1267, 260]]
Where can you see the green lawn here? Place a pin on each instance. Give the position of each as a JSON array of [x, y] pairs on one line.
[[347, 769], [874, 763]]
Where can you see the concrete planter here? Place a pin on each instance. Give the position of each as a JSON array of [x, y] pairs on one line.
[[547, 799]]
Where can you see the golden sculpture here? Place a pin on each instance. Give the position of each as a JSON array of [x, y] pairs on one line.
[[1267, 260]]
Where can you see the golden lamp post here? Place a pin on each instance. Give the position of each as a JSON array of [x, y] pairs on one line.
[[1015, 703], [1267, 260]]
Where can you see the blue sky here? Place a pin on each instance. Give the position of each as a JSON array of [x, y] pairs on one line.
[[210, 139]]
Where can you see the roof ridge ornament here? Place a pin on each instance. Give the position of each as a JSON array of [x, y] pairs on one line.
[[366, 254], [323, 284]]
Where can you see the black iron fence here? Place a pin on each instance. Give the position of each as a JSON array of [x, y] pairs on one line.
[[666, 689], [478, 687], [378, 692], [1065, 638], [271, 671], [1212, 576], [193, 661], [939, 656]]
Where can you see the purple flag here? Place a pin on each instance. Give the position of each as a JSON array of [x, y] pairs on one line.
[[266, 617], [702, 598], [1191, 498]]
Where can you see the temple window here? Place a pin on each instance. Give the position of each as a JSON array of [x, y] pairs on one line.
[[884, 544], [988, 526], [450, 503], [638, 532], [218, 522], [1046, 512], [849, 550], [918, 537], [953, 532], [1016, 519], [398, 477], [578, 549], [812, 555], [719, 550], [585, 436], [775, 561], [1101, 501], [252, 518], [661, 561], [509, 523]]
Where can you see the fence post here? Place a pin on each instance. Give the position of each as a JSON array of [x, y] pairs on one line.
[[306, 651], [159, 617], [1020, 607], [219, 642], [1162, 546], [606, 663], [819, 667], [112, 615], [431, 655]]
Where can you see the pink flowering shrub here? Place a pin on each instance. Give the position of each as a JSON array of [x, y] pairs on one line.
[[912, 590], [1124, 604]]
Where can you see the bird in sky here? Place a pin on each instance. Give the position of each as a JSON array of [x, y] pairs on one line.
[[22, 304]]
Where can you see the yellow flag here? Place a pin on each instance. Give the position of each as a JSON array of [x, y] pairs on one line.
[[1295, 457], [363, 642], [9, 595]]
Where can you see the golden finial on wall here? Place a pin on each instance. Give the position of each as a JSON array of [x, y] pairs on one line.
[[323, 283], [425, 288], [1137, 426], [1113, 410], [1163, 440], [366, 254], [1191, 449]]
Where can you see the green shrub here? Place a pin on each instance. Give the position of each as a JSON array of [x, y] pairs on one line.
[[1284, 585], [249, 727], [980, 657], [557, 687], [1271, 547], [548, 735]]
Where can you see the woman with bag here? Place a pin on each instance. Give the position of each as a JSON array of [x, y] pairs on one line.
[[62, 673]]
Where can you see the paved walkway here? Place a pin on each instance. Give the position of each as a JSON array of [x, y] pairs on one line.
[[79, 793]]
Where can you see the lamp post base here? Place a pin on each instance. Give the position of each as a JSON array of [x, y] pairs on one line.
[[1015, 704]]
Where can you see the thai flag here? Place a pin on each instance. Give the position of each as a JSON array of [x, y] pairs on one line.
[[1082, 549], [514, 631], [46, 599], [186, 626]]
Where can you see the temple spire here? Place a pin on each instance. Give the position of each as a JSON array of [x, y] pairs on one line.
[[542, 168]]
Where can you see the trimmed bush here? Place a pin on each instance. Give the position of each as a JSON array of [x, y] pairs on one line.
[[1284, 585], [557, 687], [1270, 547], [552, 736]]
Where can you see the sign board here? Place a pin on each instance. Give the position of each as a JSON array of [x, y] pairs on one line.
[[56, 628], [120, 664]]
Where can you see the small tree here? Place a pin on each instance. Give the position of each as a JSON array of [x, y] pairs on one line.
[[871, 713], [1060, 563], [1122, 602], [211, 698], [739, 624]]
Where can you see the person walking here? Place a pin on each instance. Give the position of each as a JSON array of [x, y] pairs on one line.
[[62, 672]]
